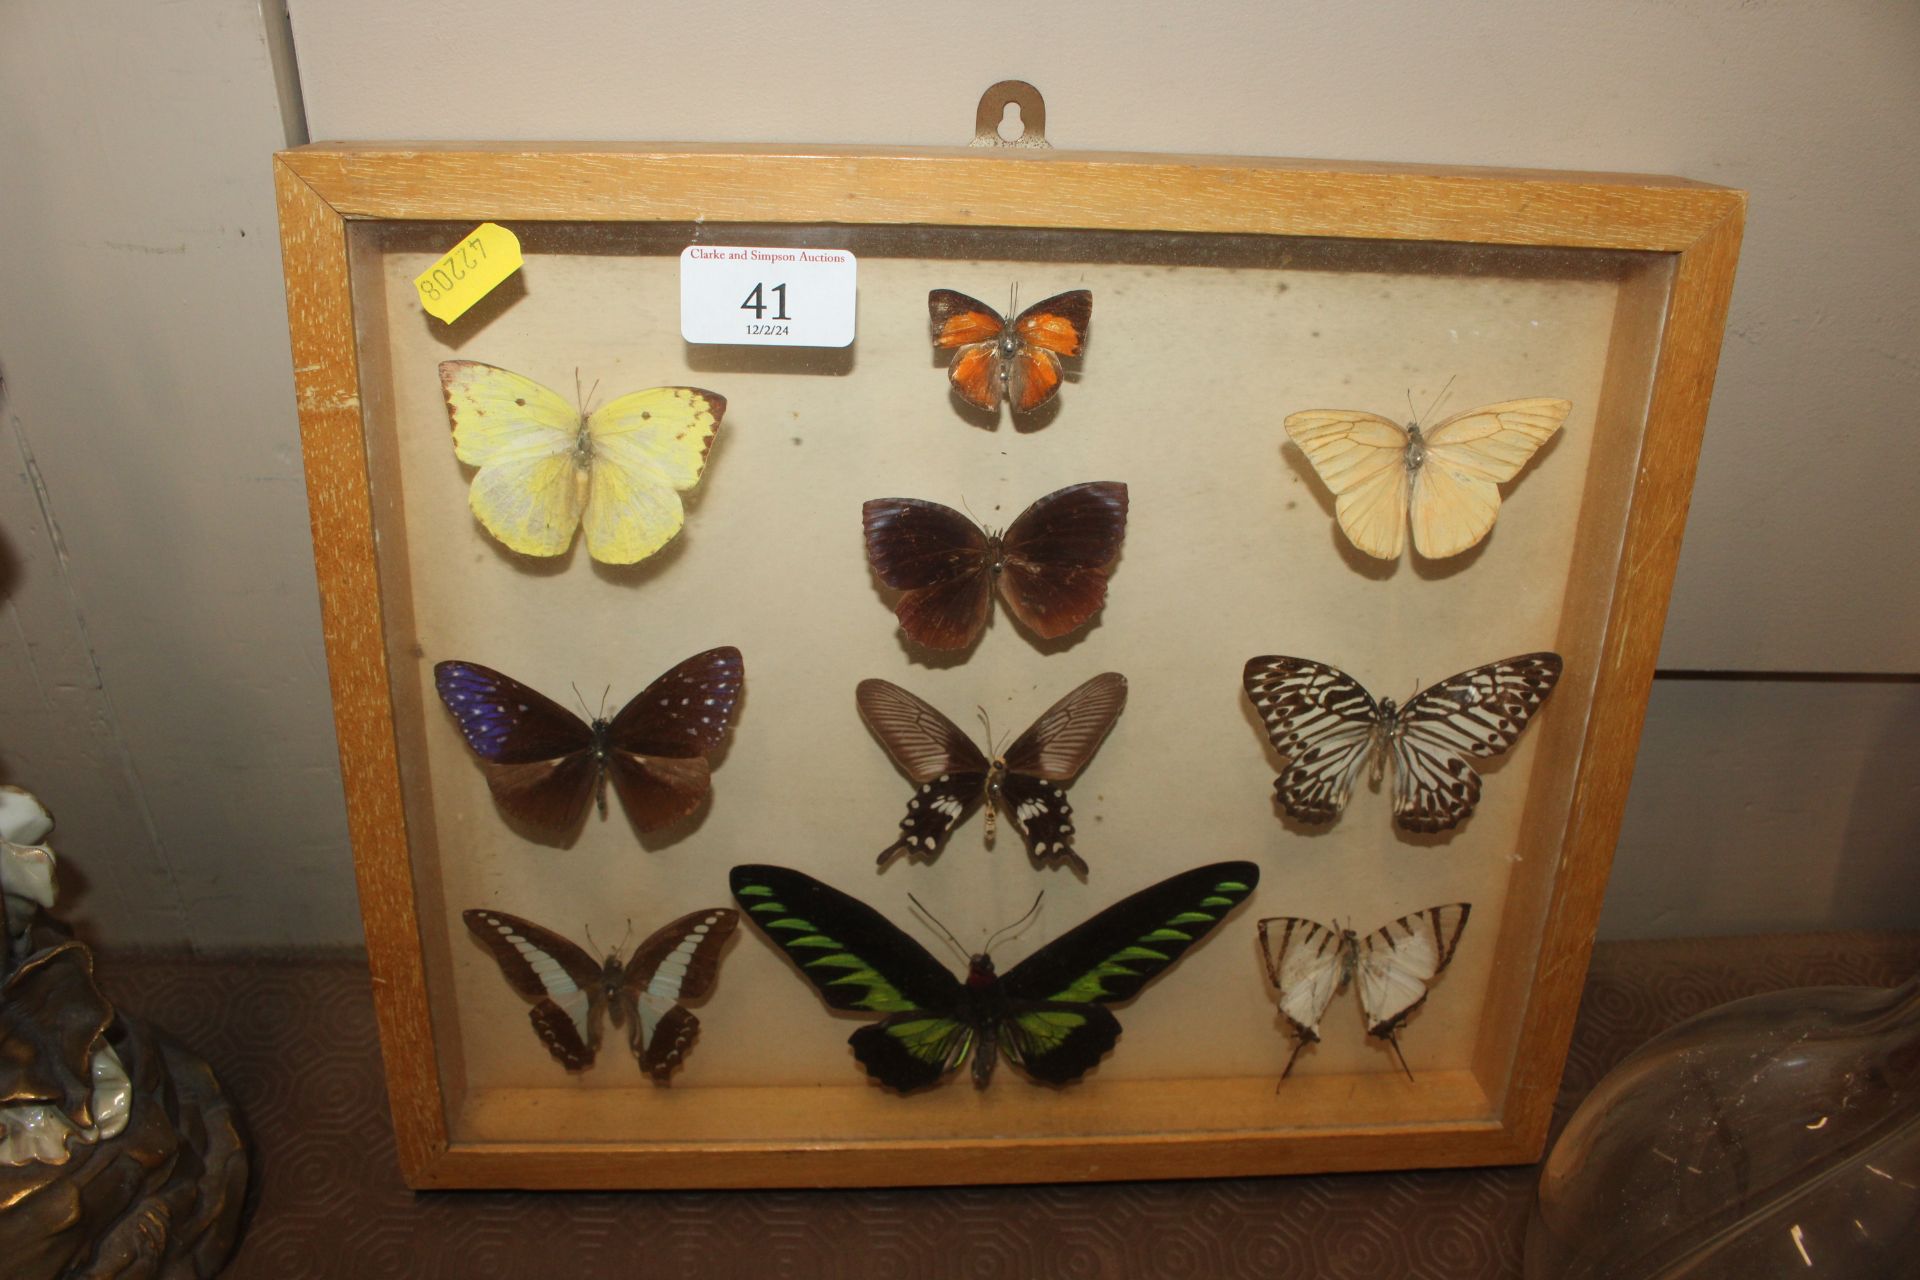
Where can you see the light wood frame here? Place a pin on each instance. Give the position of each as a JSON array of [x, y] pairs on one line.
[[325, 186]]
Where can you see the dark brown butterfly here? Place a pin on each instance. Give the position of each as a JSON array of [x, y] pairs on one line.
[[571, 990], [1020, 361], [954, 774], [544, 763], [1050, 566]]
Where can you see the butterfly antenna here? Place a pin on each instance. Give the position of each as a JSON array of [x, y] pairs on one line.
[[1030, 913], [1292, 1058], [1013, 299], [1393, 1040], [945, 932], [993, 748], [603, 711], [592, 945], [1442, 396], [583, 399], [580, 698], [626, 937]]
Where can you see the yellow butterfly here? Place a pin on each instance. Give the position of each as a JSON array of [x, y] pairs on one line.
[[546, 469], [1447, 479]]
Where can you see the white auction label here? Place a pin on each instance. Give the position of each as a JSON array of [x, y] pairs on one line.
[[767, 297]]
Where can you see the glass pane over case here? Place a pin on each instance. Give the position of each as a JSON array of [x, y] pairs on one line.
[[1199, 347]]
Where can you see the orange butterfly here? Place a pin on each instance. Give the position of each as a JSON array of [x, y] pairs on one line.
[[1021, 361]]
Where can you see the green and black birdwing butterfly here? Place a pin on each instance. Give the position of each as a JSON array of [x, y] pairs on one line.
[[1045, 1013]]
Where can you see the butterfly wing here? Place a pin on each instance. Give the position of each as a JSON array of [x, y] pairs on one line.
[[1047, 330], [856, 959], [536, 754], [528, 491], [937, 559], [971, 330], [1058, 745], [1456, 491], [648, 448], [1304, 962], [1054, 557], [1362, 458], [562, 980], [677, 962], [1396, 962], [1322, 722], [1055, 1027], [1054, 749], [1480, 713], [950, 769], [659, 742]]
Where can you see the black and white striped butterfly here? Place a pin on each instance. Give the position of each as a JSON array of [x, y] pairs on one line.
[[571, 990], [954, 774], [1309, 963], [1327, 727]]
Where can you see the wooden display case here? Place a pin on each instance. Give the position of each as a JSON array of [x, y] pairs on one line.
[[1229, 292]]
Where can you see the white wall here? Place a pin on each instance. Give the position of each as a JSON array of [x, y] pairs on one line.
[[162, 685], [161, 674]]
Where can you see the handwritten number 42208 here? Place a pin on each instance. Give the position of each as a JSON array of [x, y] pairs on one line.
[[453, 268]]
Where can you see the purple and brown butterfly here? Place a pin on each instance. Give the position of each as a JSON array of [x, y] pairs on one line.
[[545, 765], [1050, 566], [1018, 362]]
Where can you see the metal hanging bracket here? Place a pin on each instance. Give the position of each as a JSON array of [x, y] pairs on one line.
[[993, 108]]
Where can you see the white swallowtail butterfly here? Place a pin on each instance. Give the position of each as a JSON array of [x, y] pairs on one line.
[[1309, 963]]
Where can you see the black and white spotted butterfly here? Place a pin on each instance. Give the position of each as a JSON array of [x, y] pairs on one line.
[[954, 774], [1309, 963], [571, 990], [1327, 727]]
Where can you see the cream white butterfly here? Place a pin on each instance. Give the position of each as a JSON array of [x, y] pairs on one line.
[[546, 469], [1309, 963], [1447, 479]]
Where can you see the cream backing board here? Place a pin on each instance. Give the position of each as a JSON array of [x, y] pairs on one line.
[[1194, 359]]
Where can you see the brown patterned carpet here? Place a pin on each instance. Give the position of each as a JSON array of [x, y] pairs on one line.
[[293, 1040]]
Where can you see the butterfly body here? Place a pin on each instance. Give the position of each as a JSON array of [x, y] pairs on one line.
[[1018, 362], [546, 470], [1047, 1014], [1442, 486], [1416, 448], [1309, 963], [572, 992], [1049, 566], [602, 751], [954, 775], [544, 764], [1328, 727]]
